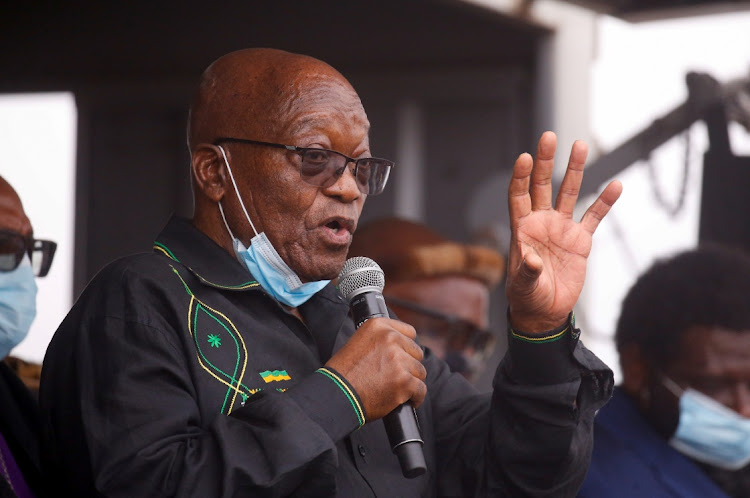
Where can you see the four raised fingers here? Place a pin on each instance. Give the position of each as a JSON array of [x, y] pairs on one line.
[[531, 185]]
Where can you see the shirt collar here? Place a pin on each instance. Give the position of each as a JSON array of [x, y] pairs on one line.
[[324, 315], [209, 262]]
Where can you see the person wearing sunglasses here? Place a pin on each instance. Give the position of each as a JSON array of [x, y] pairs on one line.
[[22, 259], [679, 422], [439, 286], [226, 363]]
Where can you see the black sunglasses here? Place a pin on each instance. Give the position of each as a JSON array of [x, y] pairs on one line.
[[323, 167], [13, 246]]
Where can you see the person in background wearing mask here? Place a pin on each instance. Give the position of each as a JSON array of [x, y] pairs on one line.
[[679, 423], [440, 287], [22, 258]]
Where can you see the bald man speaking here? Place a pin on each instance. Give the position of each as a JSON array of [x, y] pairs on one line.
[[225, 363]]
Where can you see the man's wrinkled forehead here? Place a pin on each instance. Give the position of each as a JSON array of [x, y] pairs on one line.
[[310, 95]]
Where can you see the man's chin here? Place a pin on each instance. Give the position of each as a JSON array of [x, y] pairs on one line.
[[327, 270]]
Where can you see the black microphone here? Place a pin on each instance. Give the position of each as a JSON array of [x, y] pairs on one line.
[[361, 282]]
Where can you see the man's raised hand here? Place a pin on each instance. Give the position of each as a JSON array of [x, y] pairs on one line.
[[549, 250]]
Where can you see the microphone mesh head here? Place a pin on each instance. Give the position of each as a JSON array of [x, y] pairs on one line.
[[360, 274]]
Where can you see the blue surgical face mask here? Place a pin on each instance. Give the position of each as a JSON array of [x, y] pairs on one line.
[[17, 305], [266, 265], [710, 432]]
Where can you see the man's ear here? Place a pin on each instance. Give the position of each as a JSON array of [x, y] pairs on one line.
[[209, 172], [635, 370]]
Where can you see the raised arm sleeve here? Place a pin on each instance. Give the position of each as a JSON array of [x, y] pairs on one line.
[[534, 436]]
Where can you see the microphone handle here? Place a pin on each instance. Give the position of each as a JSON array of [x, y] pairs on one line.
[[401, 425]]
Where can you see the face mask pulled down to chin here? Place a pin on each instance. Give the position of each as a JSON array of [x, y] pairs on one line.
[[266, 265], [710, 432]]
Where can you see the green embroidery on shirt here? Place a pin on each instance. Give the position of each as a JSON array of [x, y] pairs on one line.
[[187, 289], [233, 376], [158, 246], [247, 285], [358, 410], [232, 379], [214, 340]]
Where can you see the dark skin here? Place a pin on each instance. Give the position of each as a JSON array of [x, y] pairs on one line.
[[312, 106], [711, 360], [717, 363], [12, 215], [275, 96]]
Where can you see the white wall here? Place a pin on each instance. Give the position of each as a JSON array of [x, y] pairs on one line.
[[603, 80], [38, 140], [570, 54], [639, 75]]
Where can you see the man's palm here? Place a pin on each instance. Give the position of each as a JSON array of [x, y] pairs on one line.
[[549, 250]]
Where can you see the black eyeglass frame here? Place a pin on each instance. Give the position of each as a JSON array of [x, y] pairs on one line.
[[30, 246], [303, 150], [480, 339]]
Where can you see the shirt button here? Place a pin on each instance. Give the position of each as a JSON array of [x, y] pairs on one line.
[[362, 450]]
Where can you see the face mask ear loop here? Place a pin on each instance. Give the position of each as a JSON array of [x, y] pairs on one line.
[[236, 190], [672, 386], [221, 210]]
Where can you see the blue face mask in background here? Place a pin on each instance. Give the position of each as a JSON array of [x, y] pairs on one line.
[[266, 265], [17, 305], [710, 432]]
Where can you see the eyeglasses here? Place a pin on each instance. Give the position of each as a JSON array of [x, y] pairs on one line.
[[13, 246], [323, 167], [458, 333]]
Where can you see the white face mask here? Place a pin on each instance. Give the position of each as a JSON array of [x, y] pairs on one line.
[[266, 265], [708, 431]]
